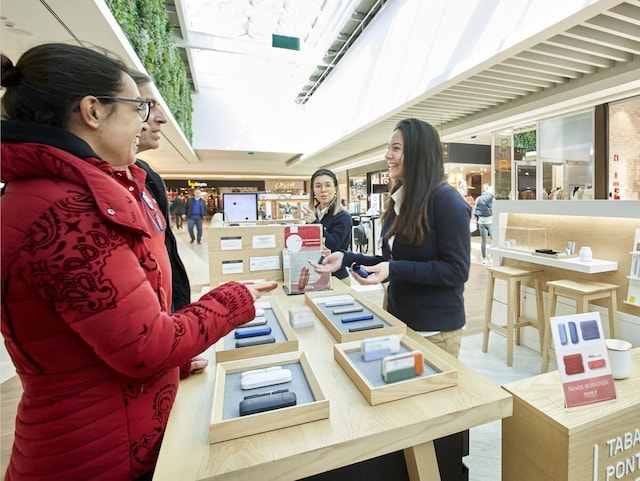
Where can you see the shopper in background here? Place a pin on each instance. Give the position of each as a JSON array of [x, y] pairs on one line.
[[426, 246], [325, 207], [196, 210], [86, 305], [484, 214], [178, 209], [211, 205], [150, 139]]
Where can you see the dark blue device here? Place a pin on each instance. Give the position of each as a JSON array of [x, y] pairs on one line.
[[252, 332], [360, 270]]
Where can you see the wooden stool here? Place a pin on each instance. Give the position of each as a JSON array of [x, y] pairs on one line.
[[582, 292], [514, 277]]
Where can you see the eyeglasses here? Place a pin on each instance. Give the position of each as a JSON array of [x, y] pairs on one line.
[[144, 106], [326, 186]]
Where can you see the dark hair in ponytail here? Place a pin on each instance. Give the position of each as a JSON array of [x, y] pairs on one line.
[[49, 80]]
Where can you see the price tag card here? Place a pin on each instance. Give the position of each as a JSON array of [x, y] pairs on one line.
[[232, 267]]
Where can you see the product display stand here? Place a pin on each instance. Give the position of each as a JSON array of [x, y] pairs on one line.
[[350, 317], [543, 440], [354, 431], [226, 422], [366, 376], [281, 331]]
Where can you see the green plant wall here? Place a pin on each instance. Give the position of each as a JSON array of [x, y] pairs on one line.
[[526, 140], [147, 26]]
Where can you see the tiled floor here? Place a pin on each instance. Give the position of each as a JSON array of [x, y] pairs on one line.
[[485, 441]]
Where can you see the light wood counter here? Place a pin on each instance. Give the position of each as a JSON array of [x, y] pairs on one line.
[[355, 431], [572, 264], [544, 441]]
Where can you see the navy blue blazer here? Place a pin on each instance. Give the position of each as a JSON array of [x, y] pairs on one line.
[[426, 282], [337, 234]]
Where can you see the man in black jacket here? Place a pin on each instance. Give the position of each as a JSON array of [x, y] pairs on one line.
[[179, 209], [150, 139]]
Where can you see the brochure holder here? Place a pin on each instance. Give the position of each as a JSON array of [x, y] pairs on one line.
[[582, 357], [303, 243]]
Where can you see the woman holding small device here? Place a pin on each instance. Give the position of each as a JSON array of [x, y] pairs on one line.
[[425, 240], [325, 207]]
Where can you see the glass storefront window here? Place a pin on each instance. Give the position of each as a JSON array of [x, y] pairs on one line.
[[358, 194], [502, 165], [624, 150], [566, 152]]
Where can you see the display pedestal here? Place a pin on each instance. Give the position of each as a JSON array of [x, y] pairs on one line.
[[547, 442]]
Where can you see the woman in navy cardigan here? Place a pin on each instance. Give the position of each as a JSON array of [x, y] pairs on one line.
[[426, 247], [325, 207]]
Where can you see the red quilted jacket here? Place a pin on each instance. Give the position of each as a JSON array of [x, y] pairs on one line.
[[85, 312]]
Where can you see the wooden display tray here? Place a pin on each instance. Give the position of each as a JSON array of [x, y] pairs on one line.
[[221, 429], [377, 392], [226, 350], [340, 332]]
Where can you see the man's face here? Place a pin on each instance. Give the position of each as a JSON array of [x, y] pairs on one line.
[[150, 134], [196, 194]]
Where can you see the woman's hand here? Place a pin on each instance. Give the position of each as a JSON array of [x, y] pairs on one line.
[[331, 263], [377, 274], [198, 365], [308, 216], [254, 293]]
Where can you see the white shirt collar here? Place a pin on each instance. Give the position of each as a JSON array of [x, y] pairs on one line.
[[397, 199], [321, 212]]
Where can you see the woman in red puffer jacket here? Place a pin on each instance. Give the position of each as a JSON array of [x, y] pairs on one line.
[[86, 282]]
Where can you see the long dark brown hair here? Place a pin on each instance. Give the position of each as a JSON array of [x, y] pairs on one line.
[[423, 174]]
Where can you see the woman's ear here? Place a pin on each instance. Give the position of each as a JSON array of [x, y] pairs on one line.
[[91, 111]]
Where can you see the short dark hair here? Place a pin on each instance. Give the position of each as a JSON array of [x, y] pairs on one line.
[[139, 78], [49, 80]]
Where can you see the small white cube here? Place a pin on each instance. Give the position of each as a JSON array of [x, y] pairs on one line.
[[301, 316]]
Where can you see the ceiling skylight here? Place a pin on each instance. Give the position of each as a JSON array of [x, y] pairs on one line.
[[230, 42]]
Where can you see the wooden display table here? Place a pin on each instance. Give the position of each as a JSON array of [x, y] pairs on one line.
[[544, 441], [354, 431]]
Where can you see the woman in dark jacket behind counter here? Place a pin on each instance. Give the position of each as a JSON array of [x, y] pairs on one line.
[[426, 246], [325, 207]]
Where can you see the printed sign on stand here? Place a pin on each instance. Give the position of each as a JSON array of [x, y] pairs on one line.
[[582, 359], [302, 244]]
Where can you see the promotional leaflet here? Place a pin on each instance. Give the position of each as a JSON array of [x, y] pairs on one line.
[[583, 363], [302, 244]]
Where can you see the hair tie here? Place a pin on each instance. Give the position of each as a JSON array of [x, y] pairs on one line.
[[11, 76]]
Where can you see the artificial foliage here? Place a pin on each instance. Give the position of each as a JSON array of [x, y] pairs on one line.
[[146, 24]]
